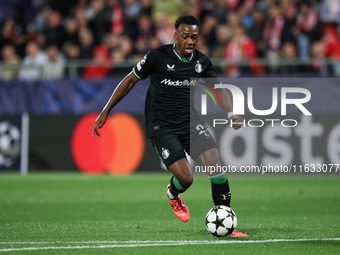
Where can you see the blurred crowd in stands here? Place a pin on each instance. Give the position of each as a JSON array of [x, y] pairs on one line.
[[43, 36]]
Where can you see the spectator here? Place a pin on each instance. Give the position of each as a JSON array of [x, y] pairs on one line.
[[100, 20], [108, 19], [308, 29], [154, 42], [118, 58], [289, 11], [40, 19], [104, 49], [93, 9], [289, 55], [240, 49], [40, 38], [232, 4], [317, 4], [126, 45], [65, 8], [274, 29], [249, 5], [146, 7], [330, 11], [319, 61], [99, 67], [195, 8], [72, 31], [9, 67], [222, 37], [82, 21], [202, 47], [71, 52], [8, 34], [55, 32], [86, 44], [117, 18], [233, 20], [275, 34], [132, 9], [165, 30], [171, 9], [121, 29], [146, 43], [146, 31], [32, 64], [220, 10], [265, 5], [247, 19], [331, 43], [113, 42], [55, 64], [12, 33], [208, 29], [256, 32], [288, 52]]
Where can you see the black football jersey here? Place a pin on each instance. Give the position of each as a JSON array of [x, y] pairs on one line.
[[169, 101]]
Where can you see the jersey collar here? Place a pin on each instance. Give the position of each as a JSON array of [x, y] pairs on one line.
[[182, 59]]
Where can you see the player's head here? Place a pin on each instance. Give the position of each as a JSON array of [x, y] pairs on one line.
[[186, 35], [187, 20]]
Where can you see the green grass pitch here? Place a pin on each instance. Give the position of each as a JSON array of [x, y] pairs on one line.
[[70, 213]]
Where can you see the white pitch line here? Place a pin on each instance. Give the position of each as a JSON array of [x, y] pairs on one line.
[[94, 242], [132, 244]]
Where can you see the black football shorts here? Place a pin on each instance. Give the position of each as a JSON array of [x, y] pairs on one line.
[[171, 147]]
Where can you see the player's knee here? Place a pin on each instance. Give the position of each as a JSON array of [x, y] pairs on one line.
[[186, 181], [210, 158], [213, 160]]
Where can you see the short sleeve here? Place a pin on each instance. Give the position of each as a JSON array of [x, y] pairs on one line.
[[210, 75], [210, 70], [145, 66]]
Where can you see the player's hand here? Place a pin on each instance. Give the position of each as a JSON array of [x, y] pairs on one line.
[[237, 121], [99, 123]]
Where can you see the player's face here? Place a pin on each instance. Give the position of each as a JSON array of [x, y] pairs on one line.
[[187, 38]]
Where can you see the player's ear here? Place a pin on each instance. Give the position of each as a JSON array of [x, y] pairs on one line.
[[176, 35]]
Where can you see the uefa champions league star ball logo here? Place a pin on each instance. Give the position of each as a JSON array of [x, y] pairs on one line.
[[9, 144]]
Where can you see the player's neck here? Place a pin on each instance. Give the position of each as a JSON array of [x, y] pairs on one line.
[[179, 55]]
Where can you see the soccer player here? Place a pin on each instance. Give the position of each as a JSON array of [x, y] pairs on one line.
[[171, 123]]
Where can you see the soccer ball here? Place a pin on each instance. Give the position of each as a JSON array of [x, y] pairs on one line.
[[10, 140], [221, 220]]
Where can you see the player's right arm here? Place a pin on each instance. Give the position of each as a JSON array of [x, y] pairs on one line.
[[141, 71], [118, 94]]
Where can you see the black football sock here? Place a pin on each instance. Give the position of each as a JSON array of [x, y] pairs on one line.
[[220, 190]]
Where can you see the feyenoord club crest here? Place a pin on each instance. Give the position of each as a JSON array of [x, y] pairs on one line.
[[198, 67], [165, 153]]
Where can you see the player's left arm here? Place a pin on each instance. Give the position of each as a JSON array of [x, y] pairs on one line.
[[227, 107]]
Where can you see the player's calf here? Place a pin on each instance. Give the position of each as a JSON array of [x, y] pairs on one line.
[[220, 189], [175, 188]]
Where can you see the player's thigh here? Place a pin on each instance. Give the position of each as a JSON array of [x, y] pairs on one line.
[[199, 141], [168, 148]]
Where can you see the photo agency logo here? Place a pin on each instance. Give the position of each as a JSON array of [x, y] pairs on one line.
[[295, 96]]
